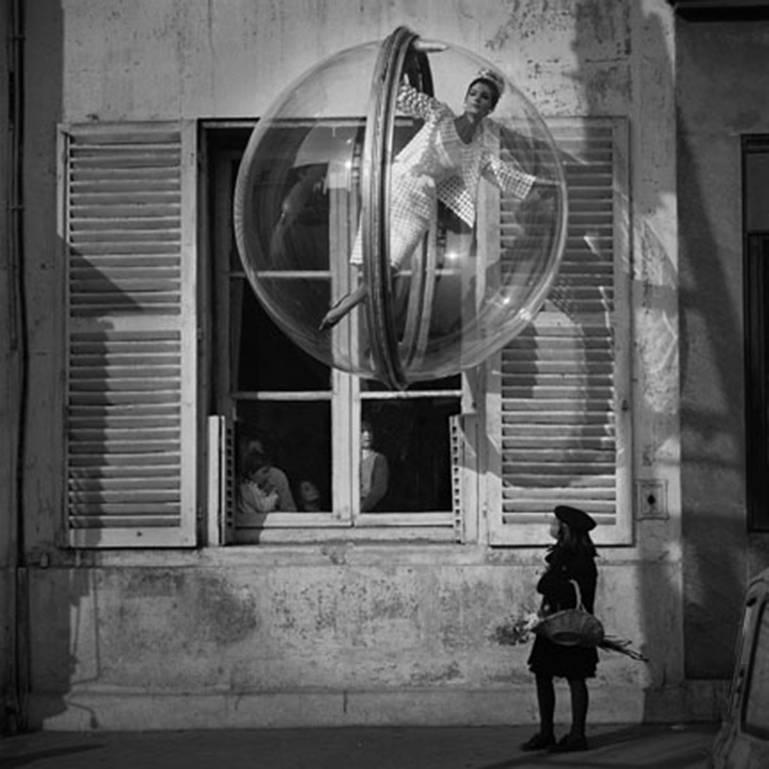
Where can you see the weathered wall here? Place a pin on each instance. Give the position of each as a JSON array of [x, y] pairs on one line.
[[355, 634], [172, 59], [712, 112], [364, 633]]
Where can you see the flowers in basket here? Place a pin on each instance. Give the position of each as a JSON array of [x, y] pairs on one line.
[[572, 627]]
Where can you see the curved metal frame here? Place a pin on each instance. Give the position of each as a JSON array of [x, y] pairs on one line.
[[375, 200]]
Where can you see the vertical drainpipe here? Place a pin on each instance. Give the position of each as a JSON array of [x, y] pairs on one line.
[[17, 709]]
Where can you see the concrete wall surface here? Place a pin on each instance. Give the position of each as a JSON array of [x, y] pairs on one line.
[[340, 634], [363, 636]]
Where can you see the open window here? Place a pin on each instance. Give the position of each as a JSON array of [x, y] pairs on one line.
[[307, 417]]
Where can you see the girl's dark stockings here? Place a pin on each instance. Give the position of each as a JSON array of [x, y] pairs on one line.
[[546, 701], [579, 702]]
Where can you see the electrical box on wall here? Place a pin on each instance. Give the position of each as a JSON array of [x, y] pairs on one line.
[[651, 498]]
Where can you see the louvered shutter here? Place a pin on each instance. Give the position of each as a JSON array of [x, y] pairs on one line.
[[127, 225], [558, 405]]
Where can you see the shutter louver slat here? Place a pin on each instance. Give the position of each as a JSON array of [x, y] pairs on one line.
[[126, 414], [558, 379]]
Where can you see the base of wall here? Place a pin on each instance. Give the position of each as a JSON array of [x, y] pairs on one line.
[[119, 710]]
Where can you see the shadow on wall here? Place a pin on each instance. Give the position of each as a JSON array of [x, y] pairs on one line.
[[124, 430], [47, 594], [604, 34], [105, 388], [712, 583], [716, 567]]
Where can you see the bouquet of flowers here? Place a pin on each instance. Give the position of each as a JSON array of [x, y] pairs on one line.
[[518, 630]]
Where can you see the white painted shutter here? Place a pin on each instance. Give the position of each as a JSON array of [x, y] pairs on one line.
[[127, 225], [221, 481], [558, 415]]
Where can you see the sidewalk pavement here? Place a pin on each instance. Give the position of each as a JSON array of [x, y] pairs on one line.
[[612, 747]]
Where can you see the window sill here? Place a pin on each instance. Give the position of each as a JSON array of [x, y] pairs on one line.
[[343, 534]]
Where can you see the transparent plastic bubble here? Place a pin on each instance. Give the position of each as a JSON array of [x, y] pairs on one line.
[[352, 183]]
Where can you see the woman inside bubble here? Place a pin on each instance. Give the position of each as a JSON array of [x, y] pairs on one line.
[[444, 163]]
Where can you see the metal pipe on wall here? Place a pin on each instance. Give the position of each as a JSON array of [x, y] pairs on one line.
[[16, 709]]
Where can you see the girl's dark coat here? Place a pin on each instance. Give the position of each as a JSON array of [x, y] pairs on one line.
[[548, 658]]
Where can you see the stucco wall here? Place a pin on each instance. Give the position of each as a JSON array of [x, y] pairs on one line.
[[364, 633], [354, 634], [723, 76]]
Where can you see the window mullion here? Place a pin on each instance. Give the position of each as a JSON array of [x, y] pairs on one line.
[[345, 421]]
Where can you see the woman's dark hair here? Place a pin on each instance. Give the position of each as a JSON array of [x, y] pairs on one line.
[[493, 86]]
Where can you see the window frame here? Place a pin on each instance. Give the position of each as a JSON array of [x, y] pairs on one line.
[[756, 339], [346, 396]]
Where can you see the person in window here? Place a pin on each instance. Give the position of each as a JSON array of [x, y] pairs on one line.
[[309, 497], [442, 163], [263, 487], [572, 557], [374, 470], [276, 478]]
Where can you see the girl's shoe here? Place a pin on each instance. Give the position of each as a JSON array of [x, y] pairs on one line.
[[539, 742], [569, 744]]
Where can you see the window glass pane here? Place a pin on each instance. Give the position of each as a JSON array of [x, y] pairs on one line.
[[297, 438], [267, 359], [413, 436], [757, 697]]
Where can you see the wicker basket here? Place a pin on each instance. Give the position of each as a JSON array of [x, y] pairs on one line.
[[572, 627]]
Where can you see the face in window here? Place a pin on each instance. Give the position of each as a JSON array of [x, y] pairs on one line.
[[309, 496], [366, 436], [260, 475]]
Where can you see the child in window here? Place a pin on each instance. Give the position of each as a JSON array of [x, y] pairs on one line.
[[259, 492]]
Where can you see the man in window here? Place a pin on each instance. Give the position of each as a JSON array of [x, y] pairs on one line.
[[374, 471]]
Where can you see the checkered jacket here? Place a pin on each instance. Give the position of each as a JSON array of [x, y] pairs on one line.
[[438, 152]]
